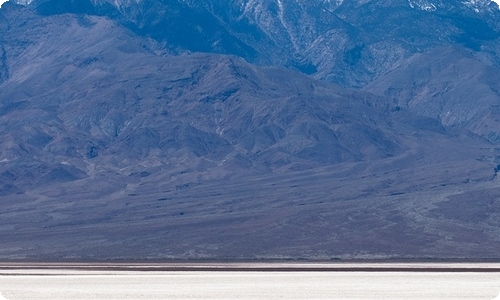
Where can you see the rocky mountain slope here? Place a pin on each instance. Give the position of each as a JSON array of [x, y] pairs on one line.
[[347, 42], [351, 43], [188, 129]]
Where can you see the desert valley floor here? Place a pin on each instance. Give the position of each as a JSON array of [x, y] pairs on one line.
[[265, 281]]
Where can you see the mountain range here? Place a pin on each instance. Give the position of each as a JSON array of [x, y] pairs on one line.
[[249, 129]]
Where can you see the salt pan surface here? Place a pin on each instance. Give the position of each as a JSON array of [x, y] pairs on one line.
[[250, 285]]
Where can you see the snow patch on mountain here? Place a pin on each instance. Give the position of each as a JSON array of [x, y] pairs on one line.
[[124, 3], [281, 16], [423, 5], [476, 5], [22, 2], [336, 2], [479, 5]]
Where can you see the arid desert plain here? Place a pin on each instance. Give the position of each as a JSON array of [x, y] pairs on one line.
[[250, 281]]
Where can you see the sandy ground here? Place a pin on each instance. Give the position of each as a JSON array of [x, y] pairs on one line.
[[94, 284]]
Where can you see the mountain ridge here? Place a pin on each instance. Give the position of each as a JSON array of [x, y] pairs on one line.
[[121, 141], [303, 36]]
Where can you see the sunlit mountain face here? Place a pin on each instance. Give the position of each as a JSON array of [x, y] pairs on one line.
[[249, 129]]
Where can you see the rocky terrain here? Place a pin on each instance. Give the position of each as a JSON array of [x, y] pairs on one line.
[[249, 129]]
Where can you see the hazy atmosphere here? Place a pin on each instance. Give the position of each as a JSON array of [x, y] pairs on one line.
[[249, 149], [249, 130]]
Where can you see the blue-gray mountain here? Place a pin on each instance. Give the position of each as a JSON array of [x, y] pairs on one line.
[[249, 129], [318, 37]]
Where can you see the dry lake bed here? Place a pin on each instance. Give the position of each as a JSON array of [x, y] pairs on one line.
[[250, 281]]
